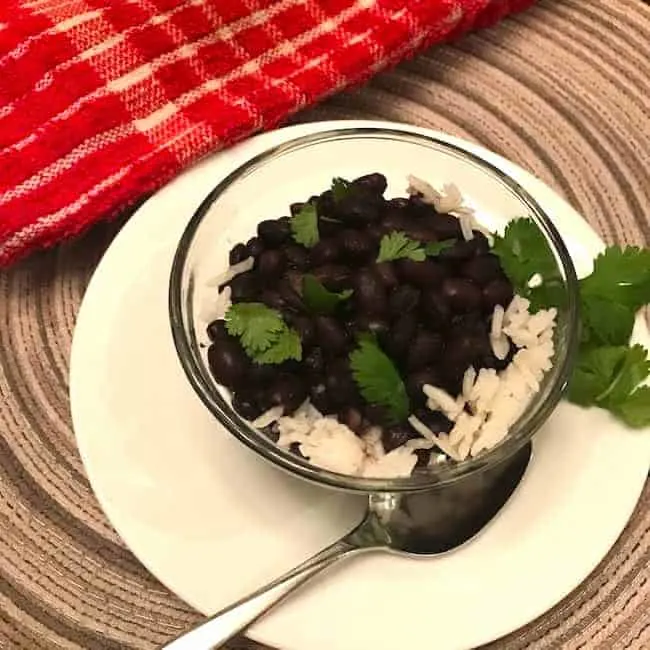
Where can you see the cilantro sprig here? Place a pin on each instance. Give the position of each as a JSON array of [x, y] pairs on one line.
[[304, 226], [263, 334], [378, 379], [340, 188], [609, 373], [397, 245], [318, 298]]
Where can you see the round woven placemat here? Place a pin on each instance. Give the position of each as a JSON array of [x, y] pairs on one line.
[[562, 90]]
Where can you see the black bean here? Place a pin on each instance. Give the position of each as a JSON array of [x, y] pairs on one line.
[[228, 362], [396, 435], [446, 226], [482, 269], [427, 274], [334, 277], [294, 448], [461, 250], [217, 330], [246, 406], [290, 295], [370, 294], [319, 397], [435, 420], [376, 326], [295, 208], [375, 183], [461, 295], [400, 203], [297, 257], [416, 207], [376, 415], [424, 349], [314, 363], [244, 286], [288, 391], [305, 328], [238, 254], [325, 205], [270, 264], [325, 251], [254, 246], [386, 273], [418, 379], [375, 231], [341, 387], [497, 292], [481, 243], [332, 337], [274, 232], [436, 310], [401, 334], [360, 207], [423, 456], [403, 299], [352, 418], [395, 221], [356, 245], [329, 227], [261, 375], [420, 232], [464, 349]]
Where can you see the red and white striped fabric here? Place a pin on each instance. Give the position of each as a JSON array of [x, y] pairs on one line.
[[102, 101]]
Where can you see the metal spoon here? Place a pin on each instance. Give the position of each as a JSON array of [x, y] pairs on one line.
[[415, 524]]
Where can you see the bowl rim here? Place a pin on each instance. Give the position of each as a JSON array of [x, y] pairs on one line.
[[264, 446]]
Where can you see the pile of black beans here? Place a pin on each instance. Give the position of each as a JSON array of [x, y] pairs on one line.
[[432, 317]]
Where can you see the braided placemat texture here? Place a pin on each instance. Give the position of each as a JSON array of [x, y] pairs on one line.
[[562, 90]]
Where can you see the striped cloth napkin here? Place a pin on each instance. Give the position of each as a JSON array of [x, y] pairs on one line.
[[103, 101]]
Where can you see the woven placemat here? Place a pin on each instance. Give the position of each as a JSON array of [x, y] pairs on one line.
[[562, 90]]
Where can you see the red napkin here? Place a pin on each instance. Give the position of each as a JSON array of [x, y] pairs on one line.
[[103, 101]]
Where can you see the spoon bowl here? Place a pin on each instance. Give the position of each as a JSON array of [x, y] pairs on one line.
[[419, 524]]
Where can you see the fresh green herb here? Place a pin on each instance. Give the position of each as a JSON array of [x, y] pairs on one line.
[[610, 297], [340, 188], [524, 253], [396, 245], [304, 226], [318, 299], [436, 247], [378, 379], [263, 334], [609, 377]]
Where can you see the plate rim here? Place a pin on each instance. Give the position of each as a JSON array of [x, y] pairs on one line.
[[233, 158]]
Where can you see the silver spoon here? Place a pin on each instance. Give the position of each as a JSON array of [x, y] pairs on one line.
[[415, 524]]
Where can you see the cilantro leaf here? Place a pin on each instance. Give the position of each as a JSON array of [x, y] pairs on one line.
[[262, 333], [605, 322], [620, 275], [436, 247], [286, 346], [609, 377], [318, 299], [524, 252], [255, 324], [378, 379], [304, 226], [340, 188], [396, 245], [635, 410]]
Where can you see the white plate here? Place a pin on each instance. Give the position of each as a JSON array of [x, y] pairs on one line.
[[212, 521]]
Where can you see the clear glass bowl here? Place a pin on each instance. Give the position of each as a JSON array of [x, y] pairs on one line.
[[264, 187]]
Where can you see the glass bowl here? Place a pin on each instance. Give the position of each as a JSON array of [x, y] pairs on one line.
[[263, 188]]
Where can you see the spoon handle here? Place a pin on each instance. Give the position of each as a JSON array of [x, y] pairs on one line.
[[225, 624]]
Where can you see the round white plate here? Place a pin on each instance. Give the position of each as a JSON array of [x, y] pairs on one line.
[[212, 521]]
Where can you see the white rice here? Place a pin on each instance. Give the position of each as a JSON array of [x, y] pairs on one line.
[[495, 401]]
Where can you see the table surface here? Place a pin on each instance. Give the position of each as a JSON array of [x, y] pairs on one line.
[[561, 90]]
